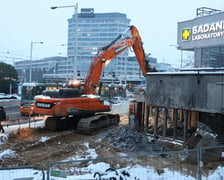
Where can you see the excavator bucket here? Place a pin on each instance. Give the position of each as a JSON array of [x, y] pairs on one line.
[[203, 137]]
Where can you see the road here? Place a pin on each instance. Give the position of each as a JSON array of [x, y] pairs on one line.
[[12, 108], [122, 108]]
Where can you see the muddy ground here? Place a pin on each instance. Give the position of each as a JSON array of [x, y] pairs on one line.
[[35, 147]]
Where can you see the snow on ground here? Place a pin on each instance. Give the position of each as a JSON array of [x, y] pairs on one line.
[[134, 172], [131, 173], [11, 128], [7, 154]]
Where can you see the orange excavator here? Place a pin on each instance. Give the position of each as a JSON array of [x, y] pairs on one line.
[[80, 107]]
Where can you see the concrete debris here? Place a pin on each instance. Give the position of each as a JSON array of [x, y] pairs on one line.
[[127, 138]]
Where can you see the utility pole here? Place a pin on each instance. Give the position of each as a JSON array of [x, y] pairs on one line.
[[75, 35]]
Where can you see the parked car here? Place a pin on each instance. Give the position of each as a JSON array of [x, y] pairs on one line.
[[115, 100], [27, 109]]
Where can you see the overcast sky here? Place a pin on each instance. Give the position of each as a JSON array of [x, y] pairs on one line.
[[23, 21]]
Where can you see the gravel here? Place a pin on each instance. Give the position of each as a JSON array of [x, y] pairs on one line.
[[128, 139]]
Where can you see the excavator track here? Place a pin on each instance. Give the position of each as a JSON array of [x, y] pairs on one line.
[[61, 123], [90, 124], [98, 122]]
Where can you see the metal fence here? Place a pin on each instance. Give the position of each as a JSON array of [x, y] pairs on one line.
[[186, 164], [22, 173]]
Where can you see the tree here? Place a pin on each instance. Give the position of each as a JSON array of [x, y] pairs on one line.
[[188, 61], [8, 78]]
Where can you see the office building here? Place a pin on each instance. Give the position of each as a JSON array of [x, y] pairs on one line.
[[45, 70], [87, 33], [204, 35]]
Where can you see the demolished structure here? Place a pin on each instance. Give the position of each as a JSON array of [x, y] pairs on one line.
[[173, 103]]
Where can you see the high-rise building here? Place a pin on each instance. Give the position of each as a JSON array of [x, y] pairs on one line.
[[87, 33]]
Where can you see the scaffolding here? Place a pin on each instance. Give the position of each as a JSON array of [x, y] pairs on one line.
[[202, 11]]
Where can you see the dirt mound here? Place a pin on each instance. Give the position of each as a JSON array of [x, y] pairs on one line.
[[23, 133], [35, 147]]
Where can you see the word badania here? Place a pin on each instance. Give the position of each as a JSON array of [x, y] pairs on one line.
[[207, 31]]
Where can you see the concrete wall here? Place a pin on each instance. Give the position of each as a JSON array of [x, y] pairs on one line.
[[200, 91]]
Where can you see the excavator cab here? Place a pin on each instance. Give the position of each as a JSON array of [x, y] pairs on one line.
[[69, 93]]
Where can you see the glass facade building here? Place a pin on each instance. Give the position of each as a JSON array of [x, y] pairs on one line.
[[87, 33], [49, 69]]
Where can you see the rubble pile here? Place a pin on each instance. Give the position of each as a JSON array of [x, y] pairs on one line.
[[128, 139]]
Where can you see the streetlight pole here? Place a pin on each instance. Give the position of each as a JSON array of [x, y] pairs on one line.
[[31, 54], [75, 34], [66, 64]]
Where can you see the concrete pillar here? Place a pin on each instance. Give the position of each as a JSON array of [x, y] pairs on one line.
[[138, 115], [175, 123], [156, 121], [165, 122], [147, 117], [185, 116]]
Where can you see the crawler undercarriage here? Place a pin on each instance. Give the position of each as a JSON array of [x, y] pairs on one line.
[[85, 123]]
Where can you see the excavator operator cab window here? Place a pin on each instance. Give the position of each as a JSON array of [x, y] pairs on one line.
[[69, 93]]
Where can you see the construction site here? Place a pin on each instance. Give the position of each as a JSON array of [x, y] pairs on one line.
[[171, 129], [160, 128]]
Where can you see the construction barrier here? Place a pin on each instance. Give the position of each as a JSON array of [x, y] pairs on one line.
[[22, 173], [186, 164], [156, 165]]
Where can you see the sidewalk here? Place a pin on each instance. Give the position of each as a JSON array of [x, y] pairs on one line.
[[23, 124]]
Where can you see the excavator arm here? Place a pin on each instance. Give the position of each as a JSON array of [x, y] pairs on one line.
[[109, 52]]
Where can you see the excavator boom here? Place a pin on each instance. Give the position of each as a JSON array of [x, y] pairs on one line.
[[111, 51]]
